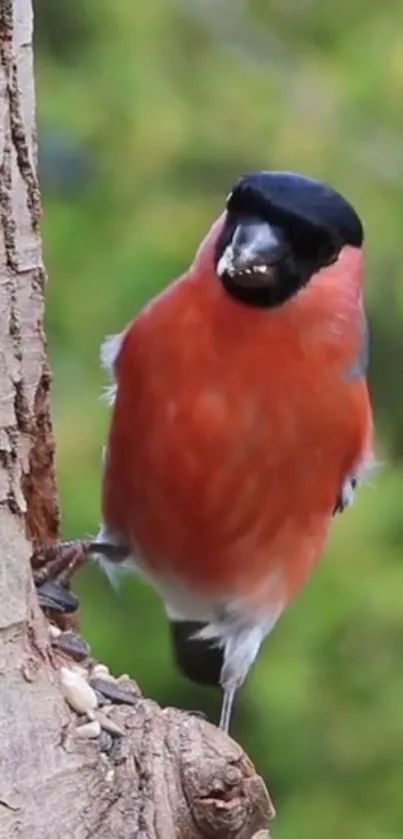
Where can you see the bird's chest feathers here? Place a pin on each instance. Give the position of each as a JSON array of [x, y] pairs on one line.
[[231, 386]]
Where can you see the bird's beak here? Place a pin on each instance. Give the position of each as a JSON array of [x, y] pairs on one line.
[[254, 249]]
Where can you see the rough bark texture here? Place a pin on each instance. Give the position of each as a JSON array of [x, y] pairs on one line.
[[152, 774]]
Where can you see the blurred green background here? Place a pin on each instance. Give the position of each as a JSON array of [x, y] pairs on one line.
[[147, 113]]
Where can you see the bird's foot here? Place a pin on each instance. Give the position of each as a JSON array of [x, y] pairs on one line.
[[53, 566]]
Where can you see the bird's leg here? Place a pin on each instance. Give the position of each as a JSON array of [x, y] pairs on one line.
[[241, 647], [54, 565], [227, 705]]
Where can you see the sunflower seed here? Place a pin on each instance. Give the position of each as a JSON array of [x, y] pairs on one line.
[[115, 692], [73, 645], [109, 725], [90, 730], [77, 692]]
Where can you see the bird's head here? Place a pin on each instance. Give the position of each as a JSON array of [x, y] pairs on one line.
[[279, 230]]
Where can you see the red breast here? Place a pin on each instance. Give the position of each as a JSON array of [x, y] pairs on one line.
[[234, 428]]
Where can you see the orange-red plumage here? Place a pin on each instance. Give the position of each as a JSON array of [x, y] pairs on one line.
[[236, 428], [233, 430]]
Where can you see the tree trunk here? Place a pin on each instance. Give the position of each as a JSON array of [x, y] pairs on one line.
[[144, 772]]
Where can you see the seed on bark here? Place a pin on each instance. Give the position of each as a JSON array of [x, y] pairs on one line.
[[109, 725], [90, 730], [105, 741], [118, 694], [73, 645], [77, 692], [101, 671]]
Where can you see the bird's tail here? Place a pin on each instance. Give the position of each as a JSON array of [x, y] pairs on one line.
[[198, 659]]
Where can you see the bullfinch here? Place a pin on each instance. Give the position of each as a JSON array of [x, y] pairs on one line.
[[241, 421]]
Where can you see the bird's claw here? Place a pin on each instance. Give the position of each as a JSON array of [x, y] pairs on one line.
[[53, 567], [59, 561]]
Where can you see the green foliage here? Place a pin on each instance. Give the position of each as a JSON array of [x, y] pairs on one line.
[[147, 113]]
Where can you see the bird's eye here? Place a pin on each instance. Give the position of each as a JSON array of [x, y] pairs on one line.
[[328, 252], [316, 244]]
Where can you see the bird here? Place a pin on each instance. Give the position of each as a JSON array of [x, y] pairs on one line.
[[241, 421]]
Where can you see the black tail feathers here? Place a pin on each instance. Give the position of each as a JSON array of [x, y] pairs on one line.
[[197, 659]]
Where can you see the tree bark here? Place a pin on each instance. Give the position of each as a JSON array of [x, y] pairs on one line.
[[144, 772]]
